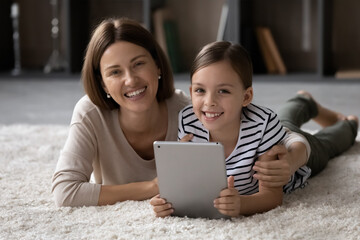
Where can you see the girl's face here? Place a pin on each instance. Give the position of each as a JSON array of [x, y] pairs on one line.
[[130, 75], [218, 96]]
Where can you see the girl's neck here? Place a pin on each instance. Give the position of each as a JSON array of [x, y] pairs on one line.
[[227, 137]]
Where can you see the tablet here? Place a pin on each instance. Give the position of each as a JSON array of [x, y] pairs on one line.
[[191, 176]]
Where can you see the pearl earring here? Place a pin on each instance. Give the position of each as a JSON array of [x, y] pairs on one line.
[[108, 95], [159, 77]]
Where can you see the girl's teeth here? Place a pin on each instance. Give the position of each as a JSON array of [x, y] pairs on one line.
[[137, 92], [212, 115]]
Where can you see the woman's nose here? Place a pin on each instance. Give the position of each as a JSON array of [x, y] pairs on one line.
[[130, 78]]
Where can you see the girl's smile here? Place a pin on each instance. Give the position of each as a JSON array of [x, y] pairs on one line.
[[212, 116], [218, 96]]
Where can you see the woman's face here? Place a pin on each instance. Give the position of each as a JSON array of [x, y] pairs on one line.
[[130, 76]]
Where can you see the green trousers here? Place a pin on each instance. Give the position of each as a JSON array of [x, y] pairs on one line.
[[326, 143]]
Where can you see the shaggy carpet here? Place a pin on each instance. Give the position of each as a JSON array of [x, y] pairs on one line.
[[328, 208]]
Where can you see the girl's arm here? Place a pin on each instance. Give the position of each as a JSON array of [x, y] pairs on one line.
[[232, 204]]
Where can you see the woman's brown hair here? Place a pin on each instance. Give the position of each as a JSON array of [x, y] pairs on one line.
[[234, 53], [108, 32]]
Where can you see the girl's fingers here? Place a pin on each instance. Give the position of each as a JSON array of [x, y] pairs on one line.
[[225, 200], [165, 213], [161, 208], [157, 200], [223, 206], [230, 181], [228, 192]]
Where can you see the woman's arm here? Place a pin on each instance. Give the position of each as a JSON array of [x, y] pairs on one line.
[[277, 173], [110, 194], [71, 184]]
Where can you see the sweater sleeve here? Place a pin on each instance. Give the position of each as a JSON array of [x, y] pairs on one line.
[[296, 137], [70, 182]]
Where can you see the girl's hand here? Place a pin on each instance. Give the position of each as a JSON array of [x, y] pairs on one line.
[[187, 138], [274, 173], [161, 207], [229, 201]]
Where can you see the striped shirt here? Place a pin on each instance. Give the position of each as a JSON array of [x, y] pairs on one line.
[[260, 129]]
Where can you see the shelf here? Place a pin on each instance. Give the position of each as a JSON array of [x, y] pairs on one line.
[[83, 16], [315, 38], [319, 36]]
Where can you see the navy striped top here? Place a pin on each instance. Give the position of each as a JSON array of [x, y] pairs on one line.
[[260, 129]]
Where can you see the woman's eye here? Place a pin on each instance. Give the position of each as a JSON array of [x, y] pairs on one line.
[[139, 63], [115, 72]]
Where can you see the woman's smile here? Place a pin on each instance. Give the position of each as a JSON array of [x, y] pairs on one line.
[[136, 94]]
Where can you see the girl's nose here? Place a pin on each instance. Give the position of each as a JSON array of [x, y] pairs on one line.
[[210, 100]]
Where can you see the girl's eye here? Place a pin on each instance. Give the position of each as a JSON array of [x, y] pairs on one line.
[[223, 91], [199, 90]]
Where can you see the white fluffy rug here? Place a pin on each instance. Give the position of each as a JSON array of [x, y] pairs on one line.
[[328, 208]]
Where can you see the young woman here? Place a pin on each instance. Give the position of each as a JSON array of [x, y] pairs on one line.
[[130, 102], [221, 111]]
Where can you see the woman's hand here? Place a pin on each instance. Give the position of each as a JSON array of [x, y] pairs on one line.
[[228, 203], [161, 207], [274, 173]]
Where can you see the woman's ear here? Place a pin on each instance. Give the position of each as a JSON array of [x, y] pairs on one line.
[[190, 91], [248, 96], [103, 86]]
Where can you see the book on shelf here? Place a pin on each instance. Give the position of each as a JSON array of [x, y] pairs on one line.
[[159, 16], [166, 34], [173, 45], [272, 58], [348, 74], [265, 51]]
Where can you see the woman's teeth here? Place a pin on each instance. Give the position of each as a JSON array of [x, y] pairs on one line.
[[135, 93]]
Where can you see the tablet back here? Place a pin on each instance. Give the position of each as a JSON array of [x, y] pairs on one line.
[[191, 176]]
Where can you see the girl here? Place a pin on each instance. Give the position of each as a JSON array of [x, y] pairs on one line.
[[221, 92]]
